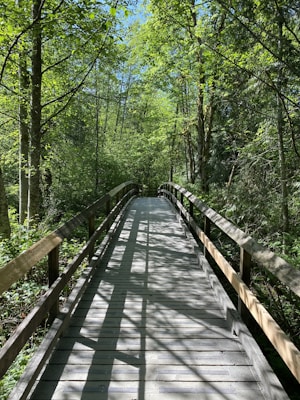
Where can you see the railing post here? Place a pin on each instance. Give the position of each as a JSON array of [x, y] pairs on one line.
[[181, 198], [206, 230], [119, 196], [191, 210], [91, 231], [108, 208], [181, 201], [245, 275], [53, 274]]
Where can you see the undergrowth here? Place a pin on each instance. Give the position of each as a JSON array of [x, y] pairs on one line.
[[18, 301]]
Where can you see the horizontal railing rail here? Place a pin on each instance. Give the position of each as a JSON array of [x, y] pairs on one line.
[[249, 250], [48, 304]]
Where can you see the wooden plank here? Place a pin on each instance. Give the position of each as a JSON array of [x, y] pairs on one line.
[[38, 360], [148, 390], [159, 357], [269, 380], [169, 372], [13, 345], [141, 340]]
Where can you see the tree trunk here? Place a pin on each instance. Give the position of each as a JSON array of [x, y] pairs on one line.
[[35, 195], [97, 131], [203, 141], [280, 135], [24, 138], [172, 146], [124, 110], [107, 107], [207, 142], [5, 230], [202, 170]]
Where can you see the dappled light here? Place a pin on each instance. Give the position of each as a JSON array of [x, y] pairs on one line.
[[148, 325], [194, 101]]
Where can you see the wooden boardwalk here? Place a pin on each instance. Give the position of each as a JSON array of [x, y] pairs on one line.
[[148, 326]]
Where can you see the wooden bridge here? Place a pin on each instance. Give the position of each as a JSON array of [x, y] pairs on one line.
[[149, 319]]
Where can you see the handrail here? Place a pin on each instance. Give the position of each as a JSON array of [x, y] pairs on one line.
[[278, 267], [249, 249], [49, 246], [19, 266]]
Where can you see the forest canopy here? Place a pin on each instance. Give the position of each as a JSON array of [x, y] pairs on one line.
[[203, 93]]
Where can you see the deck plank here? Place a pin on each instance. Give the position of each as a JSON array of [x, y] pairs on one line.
[[149, 327]]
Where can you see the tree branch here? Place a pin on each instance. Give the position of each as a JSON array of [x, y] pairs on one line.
[[258, 39], [58, 6], [72, 92], [57, 63], [251, 73], [16, 40]]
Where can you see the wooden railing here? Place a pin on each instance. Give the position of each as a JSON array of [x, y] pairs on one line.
[[48, 305], [186, 203]]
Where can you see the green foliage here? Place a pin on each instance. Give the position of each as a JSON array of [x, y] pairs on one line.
[[21, 238], [126, 101], [283, 305], [17, 302], [18, 367]]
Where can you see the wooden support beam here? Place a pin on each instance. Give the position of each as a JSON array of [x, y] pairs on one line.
[[91, 232], [245, 274], [53, 274]]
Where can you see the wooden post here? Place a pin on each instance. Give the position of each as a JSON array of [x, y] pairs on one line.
[[170, 190], [91, 231], [181, 201], [245, 274], [191, 210], [206, 230], [108, 208], [53, 274]]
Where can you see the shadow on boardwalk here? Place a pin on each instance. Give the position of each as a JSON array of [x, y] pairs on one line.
[[148, 326]]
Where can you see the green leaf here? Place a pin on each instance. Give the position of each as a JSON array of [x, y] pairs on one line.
[[113, 11]]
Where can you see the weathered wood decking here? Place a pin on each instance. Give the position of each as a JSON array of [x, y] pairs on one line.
[[149, 327]]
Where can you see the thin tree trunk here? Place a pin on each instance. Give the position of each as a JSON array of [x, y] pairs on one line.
[[36, 63], [203, 142], [187, 134], [118, 116], [201, 134], [24, 138], [124, 110], [191, 156], [206, 144], [280, 134], [97, 131], [172, 146], [5, 230], [106, 110]]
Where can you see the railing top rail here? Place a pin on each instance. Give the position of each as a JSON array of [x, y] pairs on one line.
[[17, 268], [280, 268]]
